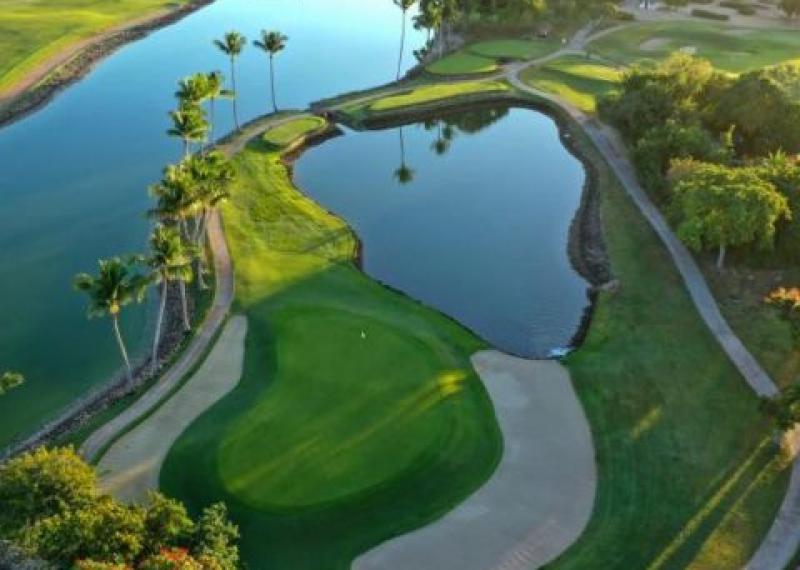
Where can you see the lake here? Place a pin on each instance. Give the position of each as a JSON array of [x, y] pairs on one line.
[[469, 214]]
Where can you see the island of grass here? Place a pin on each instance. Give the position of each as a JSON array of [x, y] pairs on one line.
[[359, 415], [31, 32]]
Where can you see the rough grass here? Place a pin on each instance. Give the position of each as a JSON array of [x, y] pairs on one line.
[[514, 49], [576, 79], [688, 478], [284, 134], [727, 50], [358, 416], [33, 30], [462, 63]]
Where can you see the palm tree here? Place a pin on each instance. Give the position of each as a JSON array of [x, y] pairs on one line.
[[176, 197], [115, 286], [404, 174], [271, 43], [232, 45], [192, 90], [190, 125], [404, 5], [169, 261], [215, 89]]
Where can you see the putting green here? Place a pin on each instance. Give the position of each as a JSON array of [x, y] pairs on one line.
[[359, 415], [514, 49], [462, 63], [290, 131], [575, 78]]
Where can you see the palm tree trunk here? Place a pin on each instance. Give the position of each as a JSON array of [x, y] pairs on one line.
[[235, 94], [200, 240], [187, 326], [159, 321], [721, 257], [122, 349], [186, 148], [402, 43], [272, 81]]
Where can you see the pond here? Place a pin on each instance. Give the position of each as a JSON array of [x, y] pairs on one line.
[[469, 214], [74, 176]]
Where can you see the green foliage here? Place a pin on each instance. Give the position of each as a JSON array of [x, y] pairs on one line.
[[709, 14], [52, 507], [721, 206], [10, 380], [40, 484]]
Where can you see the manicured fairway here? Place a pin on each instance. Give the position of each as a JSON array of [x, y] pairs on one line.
[[284, 134], [514, 49], [729, 49], [687, 476], [358, 416], [436, 92], [579, 80], [32, 30], [462, 63]]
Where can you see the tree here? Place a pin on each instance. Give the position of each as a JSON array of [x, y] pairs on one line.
[[192, 90], [232, 45], [271, 43], [722, 206], [215, 536], [404, 6], [169, 261], [166, 523], [10, 380], [190, 125], [790, 7], [215, 85], [115, 286], [176, 197], [403, 174], [40, 484]]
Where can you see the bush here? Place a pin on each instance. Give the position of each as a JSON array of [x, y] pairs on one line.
[[709, 15]]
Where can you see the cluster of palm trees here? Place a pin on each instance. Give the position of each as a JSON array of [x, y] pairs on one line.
[[435, 16]]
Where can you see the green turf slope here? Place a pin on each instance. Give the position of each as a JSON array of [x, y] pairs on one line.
[[359, 415]]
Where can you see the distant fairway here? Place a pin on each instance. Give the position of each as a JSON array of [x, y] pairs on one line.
[[33, 30], [359, 415], [735, 50]]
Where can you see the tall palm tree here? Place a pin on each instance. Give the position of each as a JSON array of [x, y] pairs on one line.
[[271, 43], [215, 89], [190, 125], [232, 44], [169, 261], [404, 6], [192, 90], [403, 174], [115, 286], [176, 197]]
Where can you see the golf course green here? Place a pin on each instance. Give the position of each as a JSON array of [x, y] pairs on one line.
[[358, 416]]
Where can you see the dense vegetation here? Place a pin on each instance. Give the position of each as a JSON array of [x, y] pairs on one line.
[[53, 509]]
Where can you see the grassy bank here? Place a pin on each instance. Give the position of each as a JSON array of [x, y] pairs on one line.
[[358, 416], [31, 32], [576, 79], [688, 478]]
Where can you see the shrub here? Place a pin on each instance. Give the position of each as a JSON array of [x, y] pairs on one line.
[[709, 15]]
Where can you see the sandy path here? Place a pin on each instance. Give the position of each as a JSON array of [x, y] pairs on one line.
[[132, 465], [539, 499]]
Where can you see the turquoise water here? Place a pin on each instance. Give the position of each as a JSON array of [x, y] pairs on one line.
[[479, 231], [74, 175]]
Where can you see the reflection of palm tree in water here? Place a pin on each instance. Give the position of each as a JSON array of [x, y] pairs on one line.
[[443, 139], [404, 174]]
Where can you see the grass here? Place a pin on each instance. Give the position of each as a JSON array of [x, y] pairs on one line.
[[574, 78], [358, 416], [33, 30], [290, 131], [514, 49], [462, 63], [688, 477], [729, 49], [436, 92]]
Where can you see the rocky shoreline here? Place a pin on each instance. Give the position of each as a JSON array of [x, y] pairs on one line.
[[79, 65]]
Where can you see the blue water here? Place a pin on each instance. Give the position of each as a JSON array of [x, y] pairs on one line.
[[74, 175], [480, 231]]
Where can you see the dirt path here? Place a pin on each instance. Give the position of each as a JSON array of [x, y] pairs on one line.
[[132, 465], [540, 498]]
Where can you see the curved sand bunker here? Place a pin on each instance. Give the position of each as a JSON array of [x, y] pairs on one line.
[[131, 466], [539, 499]]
